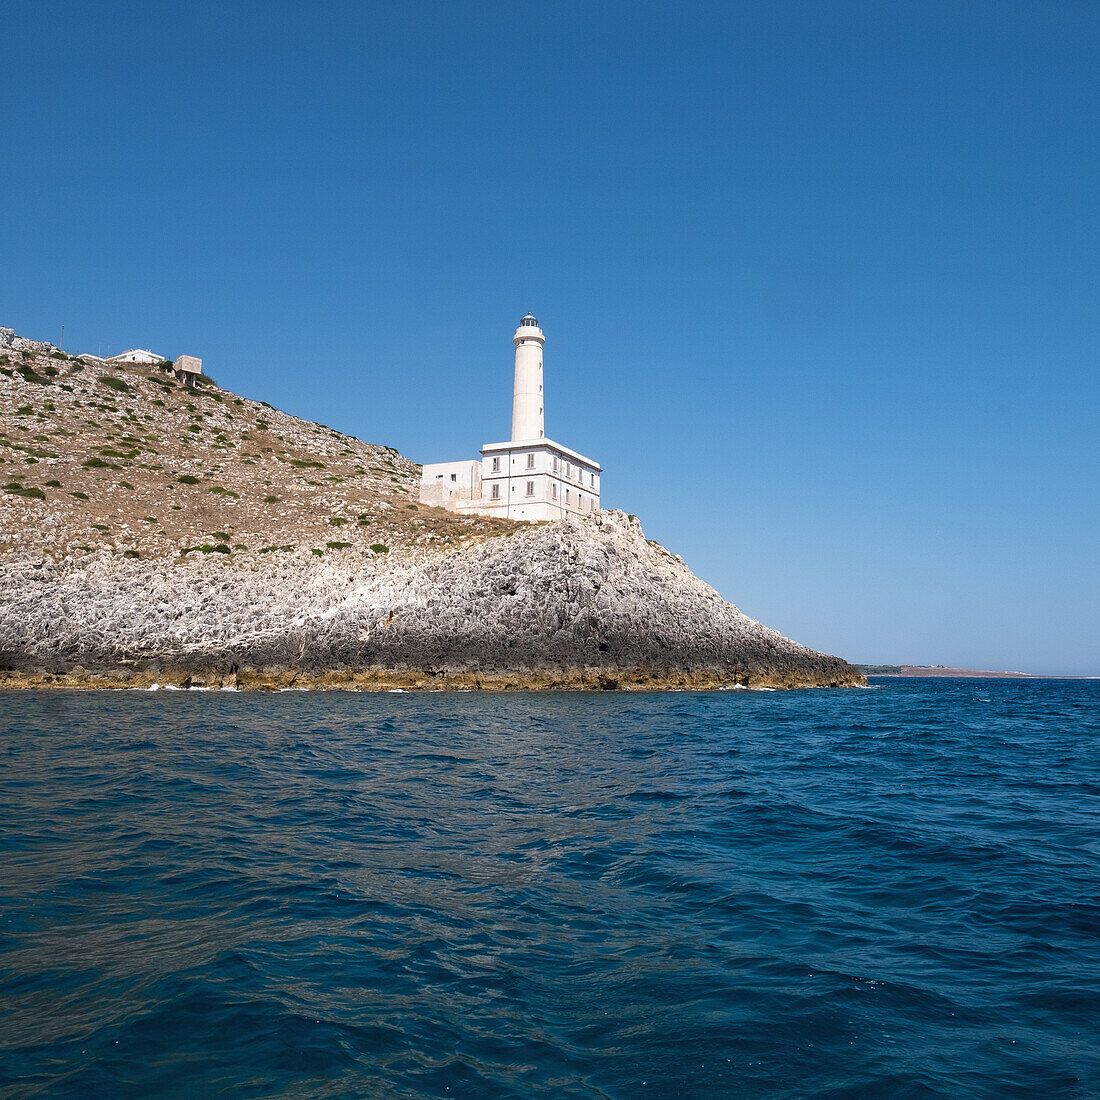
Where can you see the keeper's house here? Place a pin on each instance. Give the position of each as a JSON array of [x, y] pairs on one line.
[[530, 476]]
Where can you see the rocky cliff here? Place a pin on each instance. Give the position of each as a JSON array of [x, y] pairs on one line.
[[152, 533]]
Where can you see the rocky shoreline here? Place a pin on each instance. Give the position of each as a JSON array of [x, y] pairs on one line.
[[367, 681]]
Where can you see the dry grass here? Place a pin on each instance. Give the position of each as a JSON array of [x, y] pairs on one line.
[[128, 460]]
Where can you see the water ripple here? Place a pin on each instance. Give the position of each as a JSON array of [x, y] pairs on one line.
[[890, 893]]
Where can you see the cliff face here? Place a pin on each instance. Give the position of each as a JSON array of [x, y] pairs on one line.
[[328, 572]]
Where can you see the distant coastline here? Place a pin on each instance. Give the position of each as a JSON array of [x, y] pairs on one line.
[[948, 672]]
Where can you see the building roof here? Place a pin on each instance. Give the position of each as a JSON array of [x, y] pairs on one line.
[[531, 444]]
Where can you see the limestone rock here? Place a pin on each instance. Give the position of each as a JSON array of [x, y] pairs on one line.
[[148, 531]]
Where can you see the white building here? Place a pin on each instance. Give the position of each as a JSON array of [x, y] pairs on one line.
[[136, 355], [530, 476]]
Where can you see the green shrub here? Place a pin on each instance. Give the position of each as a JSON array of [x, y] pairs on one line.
[[25, 410], [317, 553], [412, 508], [221, 536], [188, 479], [100, 526], [52, 484], [31, 375], [379, 548], [206, 548], [271, 500], [224, 491], [94, 463], [150, 519], [79, 496], [30, 491], [130, 554], [124, 485], [114, 383], [58, 355], [269, 549], [337, 545], [337, 521], [307, 464]]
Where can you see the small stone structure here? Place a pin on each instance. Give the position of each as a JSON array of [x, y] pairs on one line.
[[528, 477], [187, 369]]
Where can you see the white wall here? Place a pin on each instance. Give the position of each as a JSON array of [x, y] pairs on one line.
[[561, 484], [448, 483]]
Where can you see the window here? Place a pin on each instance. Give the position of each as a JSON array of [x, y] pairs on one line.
[[530, 488], [592, 480], [496, 464], [554, 489], [530, 462], [454, 477], [496, 490], [555, 463], [566, 496]]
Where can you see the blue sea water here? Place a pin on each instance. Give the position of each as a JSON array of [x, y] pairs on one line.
[[891, 892]]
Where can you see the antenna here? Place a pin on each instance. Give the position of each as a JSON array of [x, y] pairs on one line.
[[62, 338]]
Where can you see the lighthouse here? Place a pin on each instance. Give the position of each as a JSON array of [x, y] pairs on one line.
[[529, 477], [527, 419]]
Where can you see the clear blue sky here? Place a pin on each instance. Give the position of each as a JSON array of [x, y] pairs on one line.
[[820, 280]]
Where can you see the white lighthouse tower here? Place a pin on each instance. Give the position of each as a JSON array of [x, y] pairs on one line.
[[530, 477], [527, 421]]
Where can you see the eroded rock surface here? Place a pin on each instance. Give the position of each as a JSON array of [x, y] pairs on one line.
[[574, 601]]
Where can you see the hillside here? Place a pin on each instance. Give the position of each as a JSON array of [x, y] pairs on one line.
[[152, 532], [128, 461]]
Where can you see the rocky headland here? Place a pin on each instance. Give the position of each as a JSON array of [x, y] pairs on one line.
[[153, 533]]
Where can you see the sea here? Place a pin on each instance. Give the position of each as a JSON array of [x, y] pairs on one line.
[[881, 892]]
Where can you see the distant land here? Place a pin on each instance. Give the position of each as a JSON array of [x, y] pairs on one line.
[[161, 530], [948, 671]]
